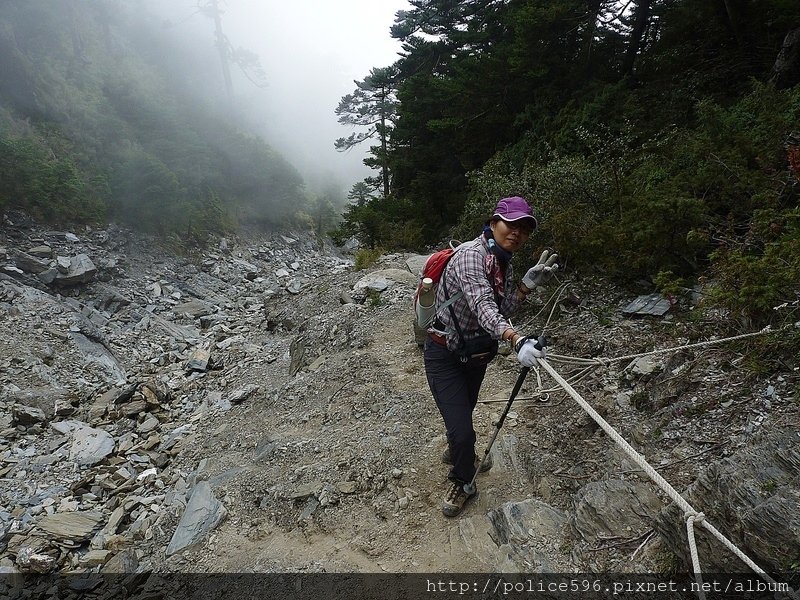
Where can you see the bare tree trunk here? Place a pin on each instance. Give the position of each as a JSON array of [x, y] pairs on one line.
[[384, 156], [786, 70], [640, 21], [734, 18], [78, 53], [592, 12], [223, 47]]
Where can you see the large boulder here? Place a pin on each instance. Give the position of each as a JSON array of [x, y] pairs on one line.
[[752, 498], [383, 279], [81, 269]]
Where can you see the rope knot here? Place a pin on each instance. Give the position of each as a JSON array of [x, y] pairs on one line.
[[696, 517]]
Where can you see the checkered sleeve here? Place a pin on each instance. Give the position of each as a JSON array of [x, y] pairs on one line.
[[476, 309]]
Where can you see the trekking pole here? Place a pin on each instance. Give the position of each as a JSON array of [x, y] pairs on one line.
[[470, 487]]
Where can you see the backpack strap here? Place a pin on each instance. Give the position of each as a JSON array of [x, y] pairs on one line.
[[449, 300], [449, 304]]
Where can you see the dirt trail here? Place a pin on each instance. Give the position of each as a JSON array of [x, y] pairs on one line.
[[353, 537]]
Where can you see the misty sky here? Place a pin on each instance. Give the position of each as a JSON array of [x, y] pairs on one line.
[[312, 51]]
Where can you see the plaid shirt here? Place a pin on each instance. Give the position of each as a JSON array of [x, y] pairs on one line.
[[469, 271]]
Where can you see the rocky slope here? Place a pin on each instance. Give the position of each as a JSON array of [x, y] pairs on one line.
[[263, 407]]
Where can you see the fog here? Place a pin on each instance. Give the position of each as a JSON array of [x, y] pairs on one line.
[[311, 51]]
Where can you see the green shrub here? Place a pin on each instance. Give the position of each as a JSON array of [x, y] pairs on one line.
[[366, 257], [49, 186], [754, 275]]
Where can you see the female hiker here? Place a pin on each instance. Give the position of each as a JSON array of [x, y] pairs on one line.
[[474, 299]]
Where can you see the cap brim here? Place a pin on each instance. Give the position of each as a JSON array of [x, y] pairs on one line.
[[511, 218]]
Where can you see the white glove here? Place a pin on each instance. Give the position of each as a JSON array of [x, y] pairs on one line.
[[541, 272], [528, 350]]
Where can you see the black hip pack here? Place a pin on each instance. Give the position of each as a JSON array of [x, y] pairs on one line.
[[478, 351]]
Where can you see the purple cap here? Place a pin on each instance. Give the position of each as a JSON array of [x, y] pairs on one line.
[[514, 209]]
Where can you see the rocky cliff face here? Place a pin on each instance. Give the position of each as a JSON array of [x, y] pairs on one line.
[[261, 406]]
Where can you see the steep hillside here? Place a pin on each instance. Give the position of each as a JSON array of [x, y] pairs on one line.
[[262, 407], [106, 113]]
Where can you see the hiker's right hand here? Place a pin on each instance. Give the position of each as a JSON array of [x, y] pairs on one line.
[[542, 271], [528, 350]]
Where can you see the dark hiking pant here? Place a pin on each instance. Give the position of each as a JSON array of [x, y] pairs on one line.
[[455, 389]]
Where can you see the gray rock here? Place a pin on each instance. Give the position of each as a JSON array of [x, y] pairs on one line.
[[75, 526], [297, 354], [30, 560], [346, 487], [90, 445], [65, 427], [42, 251], [310, 507], [48, 276], [95, 558], [114, 521], [124, 562], [26, 415], [644, 365], [44, 399], [63, 263], [669, 384], [203, 513], [98, 353], [199, 361], [522, 530], [29, 264], [243, 394], [351, 245], [473, 534], [415, 262], [194, 308], [111, 299], [614, 508], [380, 281], [752, 498], [149, 425], [307, 490], [214, 399], [81, 269], [518, 522]]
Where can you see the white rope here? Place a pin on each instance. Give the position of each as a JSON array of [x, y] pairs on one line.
[[658, 479], [543, 392], [606, 361], [691, 519]]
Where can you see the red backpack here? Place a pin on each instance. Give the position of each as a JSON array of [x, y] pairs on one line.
[[433, 270], [434, 267]]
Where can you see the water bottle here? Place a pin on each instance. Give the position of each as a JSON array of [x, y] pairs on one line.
[[426, 303]]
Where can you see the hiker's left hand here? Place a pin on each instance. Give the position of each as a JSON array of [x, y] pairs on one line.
[[530, 349], [542, 271]]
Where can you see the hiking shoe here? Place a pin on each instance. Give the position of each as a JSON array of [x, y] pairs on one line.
[[486, 466], [455, 499]]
